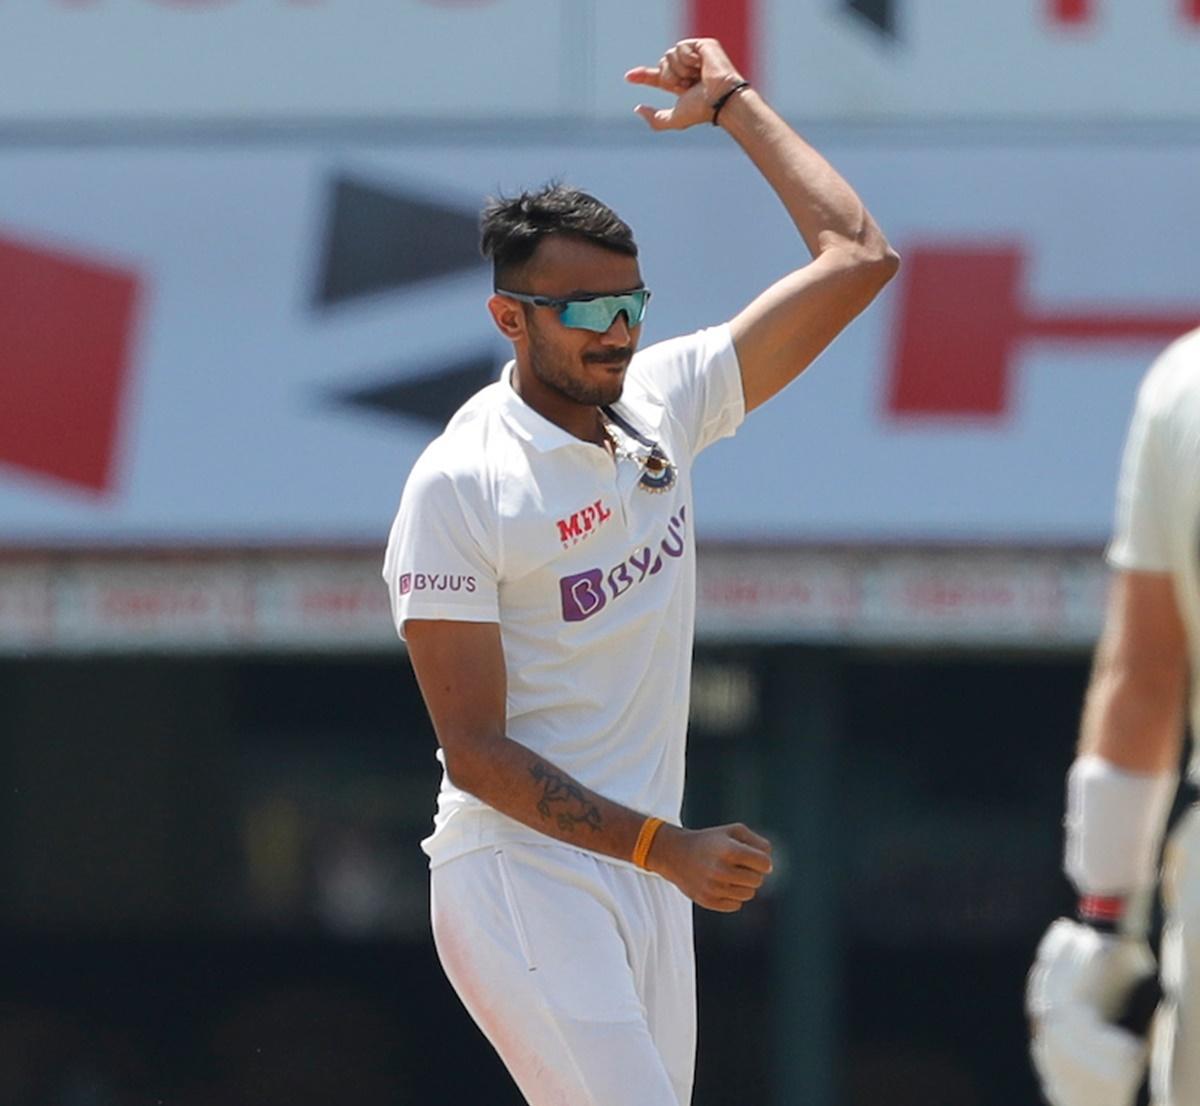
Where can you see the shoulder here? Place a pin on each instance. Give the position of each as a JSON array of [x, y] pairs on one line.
[[1177, 358], [687, 353], [463, 457], [1169, 395], [1174, 373]]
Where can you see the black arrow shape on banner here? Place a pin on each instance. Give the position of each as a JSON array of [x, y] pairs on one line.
[[881, 14], [432, 397], [382, 240]]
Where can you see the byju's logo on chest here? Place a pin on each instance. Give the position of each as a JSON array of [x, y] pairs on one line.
[[583, 523], [585, 593]]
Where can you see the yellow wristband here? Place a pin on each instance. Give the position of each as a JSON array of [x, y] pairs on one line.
[[645, 839]]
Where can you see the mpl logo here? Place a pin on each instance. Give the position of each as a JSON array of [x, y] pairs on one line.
[[583, 523], [433, 581]]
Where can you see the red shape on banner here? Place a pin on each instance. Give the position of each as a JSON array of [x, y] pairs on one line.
[[963, 320], [65, 334], [958, 314], [1071, 11], [733, 22], [1075, 12]]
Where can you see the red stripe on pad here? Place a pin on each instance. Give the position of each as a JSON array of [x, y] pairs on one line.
[[1102, 908]]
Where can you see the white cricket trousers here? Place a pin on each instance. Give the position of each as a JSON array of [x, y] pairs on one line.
[[581, 973], [1175, 1072]]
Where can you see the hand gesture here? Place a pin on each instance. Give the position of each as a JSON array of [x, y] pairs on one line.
[[698, 72], [720, 868]]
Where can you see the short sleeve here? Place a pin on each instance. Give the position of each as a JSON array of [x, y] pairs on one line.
[[698, 378], [438, 562], [1140, 535]]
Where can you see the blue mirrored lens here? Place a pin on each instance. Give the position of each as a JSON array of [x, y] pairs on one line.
[[600, 313]]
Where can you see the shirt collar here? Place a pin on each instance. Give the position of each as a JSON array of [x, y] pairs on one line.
[[526, 423], [545, 435]]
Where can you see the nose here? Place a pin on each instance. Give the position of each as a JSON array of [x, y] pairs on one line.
[[618, 334]]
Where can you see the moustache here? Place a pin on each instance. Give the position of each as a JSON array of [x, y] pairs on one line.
[[610, 357]]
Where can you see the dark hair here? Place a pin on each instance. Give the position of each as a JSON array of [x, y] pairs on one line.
[[512, 228]]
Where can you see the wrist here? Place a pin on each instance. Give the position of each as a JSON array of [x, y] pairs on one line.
[[720, 86], [663, 848], [731, 90], [1102, 912]]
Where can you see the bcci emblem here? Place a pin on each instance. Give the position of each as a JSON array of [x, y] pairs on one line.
[[660, 473]]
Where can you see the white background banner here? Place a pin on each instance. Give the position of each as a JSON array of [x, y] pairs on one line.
[[180, 61], [983, 398]]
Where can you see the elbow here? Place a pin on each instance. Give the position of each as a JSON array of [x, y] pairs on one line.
[[889, 261], [471, 761], [463, 766], [878, 263], [868, 263]]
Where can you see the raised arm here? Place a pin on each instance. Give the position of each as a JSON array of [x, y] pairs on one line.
[[461, 671], [784, 328]]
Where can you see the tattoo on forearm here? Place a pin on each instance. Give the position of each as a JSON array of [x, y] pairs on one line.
[[564, 801]]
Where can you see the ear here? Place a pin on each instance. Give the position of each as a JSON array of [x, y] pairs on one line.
[[508, 317]]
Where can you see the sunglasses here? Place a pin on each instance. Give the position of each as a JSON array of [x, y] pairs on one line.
[[595, 312]]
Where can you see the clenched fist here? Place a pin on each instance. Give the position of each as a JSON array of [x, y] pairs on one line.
[[698, 72], [720, 868]]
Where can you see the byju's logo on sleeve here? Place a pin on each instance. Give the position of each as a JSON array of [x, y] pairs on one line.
[[433, 581]]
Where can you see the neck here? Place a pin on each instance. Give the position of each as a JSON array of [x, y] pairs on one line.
[[582, 420]]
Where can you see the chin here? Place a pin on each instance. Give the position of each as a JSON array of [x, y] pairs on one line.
[[611, 395], [601, 384]]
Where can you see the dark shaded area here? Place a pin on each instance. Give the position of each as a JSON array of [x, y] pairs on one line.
[[186, 843], [881, 14], [266, 1020], [382, 240], [431, 397]]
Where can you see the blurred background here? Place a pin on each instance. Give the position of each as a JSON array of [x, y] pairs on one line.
[[240, 291]]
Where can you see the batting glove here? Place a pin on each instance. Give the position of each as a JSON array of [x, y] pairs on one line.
[[1080, 988]]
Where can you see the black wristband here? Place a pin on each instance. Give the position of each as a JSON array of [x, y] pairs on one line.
[[724, 97]]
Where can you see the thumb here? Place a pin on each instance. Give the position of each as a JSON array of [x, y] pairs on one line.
[[660, 120]]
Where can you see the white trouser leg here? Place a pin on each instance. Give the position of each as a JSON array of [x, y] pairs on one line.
[[1175, 1074], [579, 972]]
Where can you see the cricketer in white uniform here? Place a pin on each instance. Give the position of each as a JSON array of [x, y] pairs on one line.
[[542, 571], [1093, 985]]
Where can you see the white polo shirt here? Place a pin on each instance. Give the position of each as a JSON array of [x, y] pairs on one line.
[[1158, 497], [587, 564]]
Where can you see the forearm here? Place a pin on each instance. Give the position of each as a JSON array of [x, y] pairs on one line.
[[1119, 792], [528, 788], [1133, 718], [825, 209]]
